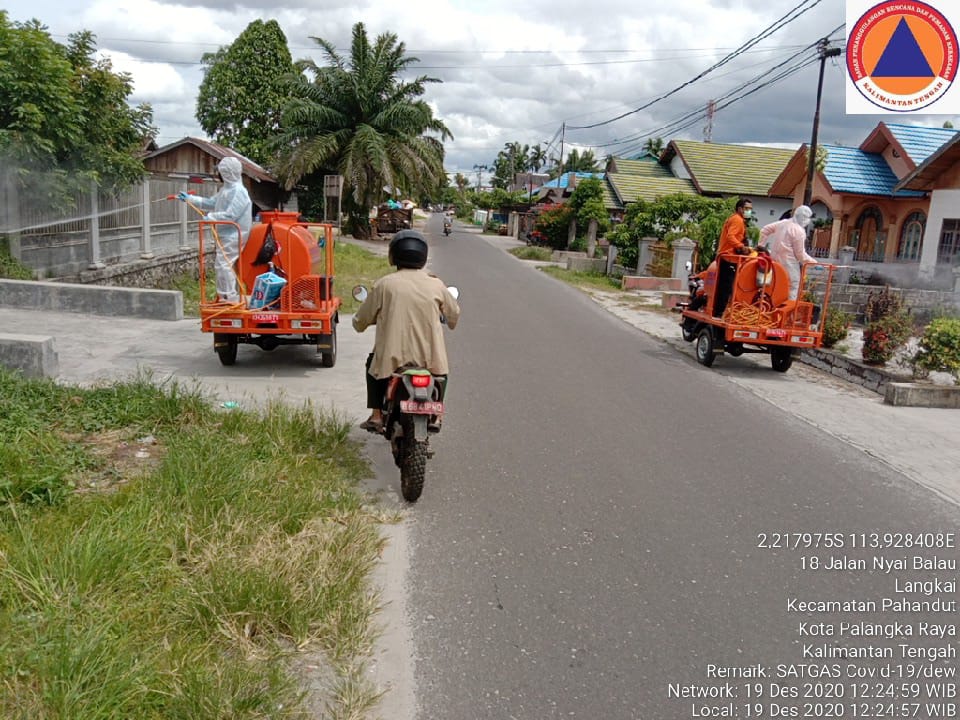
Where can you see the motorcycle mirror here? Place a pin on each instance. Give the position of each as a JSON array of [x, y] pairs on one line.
[[359, 293], [455, 291]]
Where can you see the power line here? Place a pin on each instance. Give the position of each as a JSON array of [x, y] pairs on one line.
[[781, 22]]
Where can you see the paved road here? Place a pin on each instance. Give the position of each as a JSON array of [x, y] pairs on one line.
[[588, 534]]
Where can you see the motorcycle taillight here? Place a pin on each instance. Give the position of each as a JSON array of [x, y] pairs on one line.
[[420, 380]]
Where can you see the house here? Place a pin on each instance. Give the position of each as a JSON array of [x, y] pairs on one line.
[[196, 160], [642, 179], [859, 193], [722, 170], [939, 175]]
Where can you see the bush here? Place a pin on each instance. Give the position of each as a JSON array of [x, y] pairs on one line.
[[939, 348], [554, 225], [882, 338], [836, 326], [881, 304]]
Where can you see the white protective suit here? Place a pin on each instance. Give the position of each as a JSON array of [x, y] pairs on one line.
[[785, 242], [231, 203]]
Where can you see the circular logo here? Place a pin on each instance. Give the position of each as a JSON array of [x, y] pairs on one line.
[[902, 56]]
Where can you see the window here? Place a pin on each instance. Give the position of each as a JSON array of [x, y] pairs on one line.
[[949, 250], [911, 237]]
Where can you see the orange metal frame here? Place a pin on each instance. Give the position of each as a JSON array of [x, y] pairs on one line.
[[307, 304], [793, 328]]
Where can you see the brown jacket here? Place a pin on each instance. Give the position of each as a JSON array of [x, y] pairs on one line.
[[406, 307]]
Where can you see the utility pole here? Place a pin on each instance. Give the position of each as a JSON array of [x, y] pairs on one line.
[[479, 169], [563, 132], [708, 130], [823, 47]]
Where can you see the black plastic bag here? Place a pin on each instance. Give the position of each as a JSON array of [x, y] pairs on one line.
[[267, 250]]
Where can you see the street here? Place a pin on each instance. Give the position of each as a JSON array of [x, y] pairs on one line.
[[589, 540]]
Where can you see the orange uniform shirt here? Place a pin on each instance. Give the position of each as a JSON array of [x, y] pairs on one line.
[[733, 235]]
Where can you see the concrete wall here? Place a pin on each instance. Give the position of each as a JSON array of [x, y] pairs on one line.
[[944, 204], [922, 303], [33, 355], [92, 299]]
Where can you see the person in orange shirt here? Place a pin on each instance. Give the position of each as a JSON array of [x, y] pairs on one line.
[[733, 241]]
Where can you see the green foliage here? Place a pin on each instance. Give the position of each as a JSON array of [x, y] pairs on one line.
[[532, 253], [11, 268], [586, 202], [554, 224], [64, 117], [836, 326], [671, 216], [513, 159], [883, 337], [939, 349], [244, 88], [882, 303], [581, 162], [359, 116]]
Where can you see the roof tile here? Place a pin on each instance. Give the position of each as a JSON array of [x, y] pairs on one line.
[[733, 169], [920, 142], [851, 170]]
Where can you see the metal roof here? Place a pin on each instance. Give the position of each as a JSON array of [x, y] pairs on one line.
[[927, 173], [851, 170], [645, 180], [920, 142], [564, 180], [718, 169]]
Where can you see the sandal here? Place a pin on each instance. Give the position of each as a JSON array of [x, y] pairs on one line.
[[371, 425]]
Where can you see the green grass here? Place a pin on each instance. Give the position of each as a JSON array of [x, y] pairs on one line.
[[579, 278], [530, 252], [174, 576]]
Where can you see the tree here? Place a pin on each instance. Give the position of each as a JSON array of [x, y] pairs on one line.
[[244, 88], [462, 182], [510, 161], [64, 117], [536, 158], [580, 162], [356, 115], [653, 146], [591, 214], [948, 125]]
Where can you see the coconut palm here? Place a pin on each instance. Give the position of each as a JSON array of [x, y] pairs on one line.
[[654, 146], [462, 182], [355, 115]]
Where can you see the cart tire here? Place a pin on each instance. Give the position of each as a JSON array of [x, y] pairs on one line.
[[688, 329], [329, 359], [226, 347], [781, 358], [413, 462], [704, 346]]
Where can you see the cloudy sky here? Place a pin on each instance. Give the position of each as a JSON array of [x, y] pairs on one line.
[[517, 71]]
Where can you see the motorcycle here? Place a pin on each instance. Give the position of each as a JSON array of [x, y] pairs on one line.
[[412, 410], [446, 228]]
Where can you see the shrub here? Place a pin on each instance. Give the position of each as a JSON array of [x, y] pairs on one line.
[[554, 224], [939, 348], [882, 337], [836, 326], [882, 303]]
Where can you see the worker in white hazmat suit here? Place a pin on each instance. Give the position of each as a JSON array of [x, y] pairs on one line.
[[785, 240], [232, 203]]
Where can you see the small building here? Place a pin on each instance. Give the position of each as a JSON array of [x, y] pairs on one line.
[[643, 179], [195, 160]]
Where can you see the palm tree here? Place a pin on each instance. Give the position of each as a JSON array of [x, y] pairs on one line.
[[462, 182], [654, 146], [356, 115]]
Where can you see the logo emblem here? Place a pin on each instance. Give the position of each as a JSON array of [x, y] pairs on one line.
[[901, 56]]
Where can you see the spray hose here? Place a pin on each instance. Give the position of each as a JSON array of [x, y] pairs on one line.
[[216, 237], [739, 313]]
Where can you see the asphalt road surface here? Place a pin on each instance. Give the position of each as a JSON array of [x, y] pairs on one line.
[[589, 541]]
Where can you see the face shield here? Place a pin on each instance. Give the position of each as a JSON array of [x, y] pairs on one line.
[[802, 216]]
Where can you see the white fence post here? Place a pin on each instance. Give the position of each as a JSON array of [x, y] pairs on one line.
[[146, 252], [94, 248], [13, 214], [184, 242]]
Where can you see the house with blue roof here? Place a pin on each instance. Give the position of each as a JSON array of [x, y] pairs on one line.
[[861, 203]]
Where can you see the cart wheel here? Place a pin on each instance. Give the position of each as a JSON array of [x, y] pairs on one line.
[[781, 358], [329, 359], [688, 329], [704, 346], [226, 347]]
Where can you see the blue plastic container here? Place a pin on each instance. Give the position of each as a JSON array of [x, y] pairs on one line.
[[266, 290]]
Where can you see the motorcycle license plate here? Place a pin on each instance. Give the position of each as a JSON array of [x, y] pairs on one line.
[[430, 407]]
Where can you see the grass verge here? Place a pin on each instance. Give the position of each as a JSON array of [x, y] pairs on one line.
[[583, 279], [531, 252], [163, 559], [11, 268]]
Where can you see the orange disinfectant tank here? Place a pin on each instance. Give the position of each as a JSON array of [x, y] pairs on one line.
[[297, 252]]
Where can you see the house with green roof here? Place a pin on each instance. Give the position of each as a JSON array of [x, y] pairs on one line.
[[724, 170], [643, 179], [860, 189]]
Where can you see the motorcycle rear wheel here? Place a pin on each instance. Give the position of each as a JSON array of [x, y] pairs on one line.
[[413, 462]]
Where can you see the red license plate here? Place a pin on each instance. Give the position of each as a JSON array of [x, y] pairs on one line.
[[265, 317], [430, 407], [776, 333]]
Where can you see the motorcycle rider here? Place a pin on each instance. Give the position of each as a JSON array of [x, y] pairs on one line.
[[407, 307], [447, 226]]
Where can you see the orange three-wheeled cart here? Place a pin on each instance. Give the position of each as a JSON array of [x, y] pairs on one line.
[[303, 311], [759, 316]]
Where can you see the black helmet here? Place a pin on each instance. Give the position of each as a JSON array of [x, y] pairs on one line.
[[408, 249]]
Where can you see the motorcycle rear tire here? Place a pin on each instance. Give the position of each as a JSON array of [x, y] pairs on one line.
[[413, 462]]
